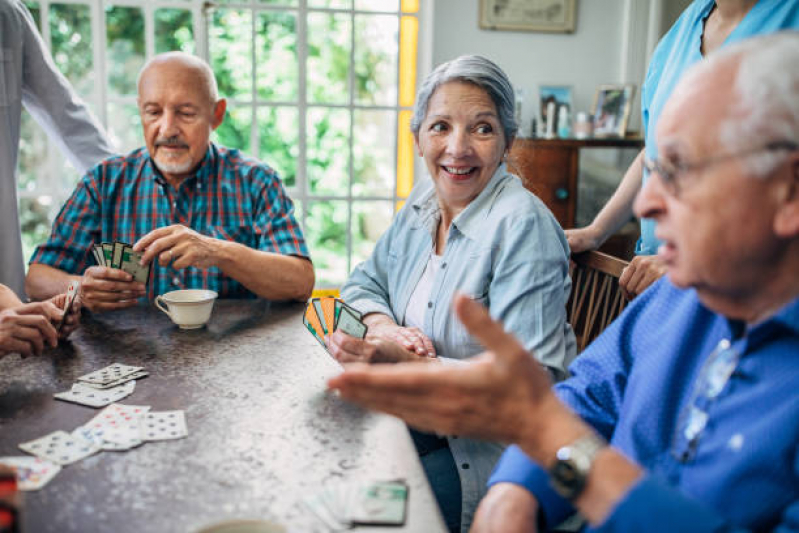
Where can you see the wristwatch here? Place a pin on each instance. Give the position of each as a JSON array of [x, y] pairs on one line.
[[573, 462]]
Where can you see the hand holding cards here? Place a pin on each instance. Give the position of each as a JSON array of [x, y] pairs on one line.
[[117, 282], [121, 255], [323, 316]]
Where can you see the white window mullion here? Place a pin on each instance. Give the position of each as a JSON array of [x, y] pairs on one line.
[[98, 52], [302, 186], [351, 168], [149, 30], [254, 146]]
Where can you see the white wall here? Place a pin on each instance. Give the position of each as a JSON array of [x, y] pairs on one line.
[[590, 56]]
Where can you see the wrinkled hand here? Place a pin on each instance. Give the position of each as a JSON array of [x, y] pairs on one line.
[[502, 394], [382, 327], [27, 328], [347, 349], [582, 239], [178, 245], [642, 272], [506, 507], [104, 289], [72, 320]]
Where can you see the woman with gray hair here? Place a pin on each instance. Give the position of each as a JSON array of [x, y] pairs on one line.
[[471, 228]]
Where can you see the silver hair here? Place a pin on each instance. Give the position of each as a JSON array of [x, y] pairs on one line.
[[189, 61], [767, 106], [479, 71]]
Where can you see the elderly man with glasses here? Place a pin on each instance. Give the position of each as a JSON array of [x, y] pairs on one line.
[[684, 414]]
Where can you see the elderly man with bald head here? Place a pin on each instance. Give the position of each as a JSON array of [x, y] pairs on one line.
[[204, 215], [683, 414]]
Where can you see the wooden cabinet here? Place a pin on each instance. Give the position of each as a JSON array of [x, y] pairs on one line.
[[550, 167]]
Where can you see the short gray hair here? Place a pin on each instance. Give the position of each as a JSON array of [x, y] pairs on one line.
[[189, 61], [479, 71], [767, 106]]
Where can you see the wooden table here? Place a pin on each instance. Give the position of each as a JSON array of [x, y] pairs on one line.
[[262, 430]]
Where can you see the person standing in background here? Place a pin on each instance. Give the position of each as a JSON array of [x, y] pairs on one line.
[[28, 77], [704, 26]]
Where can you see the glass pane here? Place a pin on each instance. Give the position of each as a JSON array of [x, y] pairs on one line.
[[67, 179], [124, 53], [71, 36], [335, 4], [234, 132], [278, 141], [230, 37], [369, 221], [173, 30], [326, 231], [373, 148], [279, 2], [36, 13], [376, 38], [328, 150], [34, 219], [377, 5], [124, 126], [328, 58], [277, 67], [32, 160]]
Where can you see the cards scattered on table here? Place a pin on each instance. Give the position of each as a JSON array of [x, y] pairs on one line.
[[323, 316], [60, 447], [32, 473], [361, 503], [166, 425], [121, 255], [109, 374]]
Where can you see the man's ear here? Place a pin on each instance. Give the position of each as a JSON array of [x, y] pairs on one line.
[[786, 220], [219, 113]]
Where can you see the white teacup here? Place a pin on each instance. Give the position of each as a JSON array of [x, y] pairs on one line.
[[188, 308]]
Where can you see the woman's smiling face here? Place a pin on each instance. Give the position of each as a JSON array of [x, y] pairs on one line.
[[462, 142]]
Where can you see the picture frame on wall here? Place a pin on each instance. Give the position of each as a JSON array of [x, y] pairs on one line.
[[556, 16], [611, 109], [560, 95]]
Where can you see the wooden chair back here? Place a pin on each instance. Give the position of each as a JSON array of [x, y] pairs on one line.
[[596, 299]]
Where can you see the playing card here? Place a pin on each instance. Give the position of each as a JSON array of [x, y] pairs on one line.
[[312, 322], [116, 257], [380, 503], [86, 395], [328, 306], [107, 423], [33, 473], [60, 447], [108, 253], [97, 251], [109, 373], [130, 264], [351, 324], [72, 293], [317, 305], [136, 375], [339, 305], [164, 425]]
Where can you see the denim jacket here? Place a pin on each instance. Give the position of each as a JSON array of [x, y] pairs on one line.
[[507, 251]]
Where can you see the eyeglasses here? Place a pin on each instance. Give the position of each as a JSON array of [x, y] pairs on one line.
[[713, 377], [670, 172]]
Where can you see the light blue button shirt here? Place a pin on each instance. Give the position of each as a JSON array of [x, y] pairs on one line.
[[679, 50], [507, 251]]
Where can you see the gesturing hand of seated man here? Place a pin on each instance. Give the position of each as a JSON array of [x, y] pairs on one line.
[[180, 246], [347, 349], [25, 329], [104, 289], [413, 339]]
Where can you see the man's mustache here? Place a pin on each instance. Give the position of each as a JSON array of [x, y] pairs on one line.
[[171, 141]]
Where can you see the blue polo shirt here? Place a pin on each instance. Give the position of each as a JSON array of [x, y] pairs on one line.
[[633, 385]]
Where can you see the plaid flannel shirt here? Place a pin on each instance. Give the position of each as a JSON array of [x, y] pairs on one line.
[[230, 197]]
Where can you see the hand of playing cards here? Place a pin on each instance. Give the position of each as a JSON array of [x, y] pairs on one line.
[[381, 503], [326, 315], [121, 255]]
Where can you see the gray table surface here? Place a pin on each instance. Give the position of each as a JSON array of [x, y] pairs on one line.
[[263, 432]]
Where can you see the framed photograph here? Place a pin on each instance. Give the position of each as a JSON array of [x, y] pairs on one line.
[[560, 95], [556, 16], [611, 111]]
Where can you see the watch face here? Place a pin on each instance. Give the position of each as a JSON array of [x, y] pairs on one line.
[[566, 479]]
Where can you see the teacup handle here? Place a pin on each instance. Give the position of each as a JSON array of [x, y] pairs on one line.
[[159, 303]]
